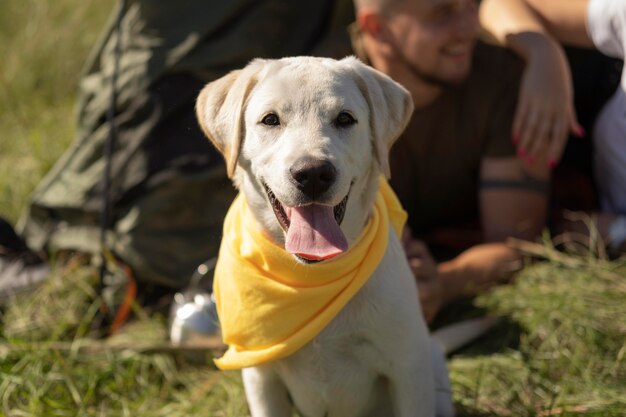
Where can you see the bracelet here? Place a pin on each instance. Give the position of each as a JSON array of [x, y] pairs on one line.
[[617, 233]]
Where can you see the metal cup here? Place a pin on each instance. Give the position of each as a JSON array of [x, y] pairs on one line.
[[193, 314]]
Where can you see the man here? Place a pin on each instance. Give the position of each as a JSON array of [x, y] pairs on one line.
[[455, 166]]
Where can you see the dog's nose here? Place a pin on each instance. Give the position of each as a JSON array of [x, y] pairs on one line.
[[312, 176]]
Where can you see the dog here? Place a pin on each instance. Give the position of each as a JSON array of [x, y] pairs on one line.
[[305, 141]]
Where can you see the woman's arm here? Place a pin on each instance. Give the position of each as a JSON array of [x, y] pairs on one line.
[[564, 20], [545, 110]]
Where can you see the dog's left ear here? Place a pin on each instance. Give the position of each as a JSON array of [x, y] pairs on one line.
[[391, 107], [220, 110]]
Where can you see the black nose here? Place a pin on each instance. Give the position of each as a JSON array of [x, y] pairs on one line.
[[312, 176]]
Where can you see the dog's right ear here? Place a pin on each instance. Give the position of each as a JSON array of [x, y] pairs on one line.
[[220, 110]]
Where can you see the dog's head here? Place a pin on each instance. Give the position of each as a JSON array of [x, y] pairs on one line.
[[305, 140]]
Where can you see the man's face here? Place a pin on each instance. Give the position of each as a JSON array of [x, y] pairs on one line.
[[436, 37]]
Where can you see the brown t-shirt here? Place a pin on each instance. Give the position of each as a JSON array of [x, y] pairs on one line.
[[435, 165]]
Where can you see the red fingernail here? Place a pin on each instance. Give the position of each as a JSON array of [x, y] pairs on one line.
[[552, 163], [515, 138], [530, 160], [580, 131], [521, 152]]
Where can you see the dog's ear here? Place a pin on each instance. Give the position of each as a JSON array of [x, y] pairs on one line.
[[220, 110], [390, 104]]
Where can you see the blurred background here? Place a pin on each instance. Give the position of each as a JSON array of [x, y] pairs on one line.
[[43, 47]]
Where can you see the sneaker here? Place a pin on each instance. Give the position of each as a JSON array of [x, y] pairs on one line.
[[21, 269]]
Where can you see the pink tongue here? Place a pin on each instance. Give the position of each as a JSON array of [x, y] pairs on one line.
[[314, 233]]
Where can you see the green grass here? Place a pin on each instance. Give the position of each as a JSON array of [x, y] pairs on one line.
[[559, 349], [51, 365], [43, 45], [568, 355]]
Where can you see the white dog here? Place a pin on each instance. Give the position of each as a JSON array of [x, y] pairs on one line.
[[306, 141]]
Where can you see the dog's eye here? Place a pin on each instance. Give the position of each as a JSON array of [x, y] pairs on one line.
[[344, 119], [271, 120]]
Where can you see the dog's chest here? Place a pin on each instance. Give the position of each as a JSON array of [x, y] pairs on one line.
[[338, 367], [342, 371]]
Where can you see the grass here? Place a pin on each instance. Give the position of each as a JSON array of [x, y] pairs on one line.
[[568, 356], [43, 45], [51, 365], [559, 349]]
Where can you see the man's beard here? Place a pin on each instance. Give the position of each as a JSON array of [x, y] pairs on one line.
[[429, 78], [433, 79]]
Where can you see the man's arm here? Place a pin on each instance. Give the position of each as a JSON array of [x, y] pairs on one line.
[[513, 203], [475, 270]]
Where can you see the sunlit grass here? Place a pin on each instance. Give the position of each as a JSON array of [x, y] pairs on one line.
[[43, 45], [52, 365], [559, 350], [569, 358]]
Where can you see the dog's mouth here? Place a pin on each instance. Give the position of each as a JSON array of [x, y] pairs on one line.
[[279, 209], [312, 231]]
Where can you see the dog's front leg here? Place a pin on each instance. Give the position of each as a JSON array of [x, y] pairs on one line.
[[266, 394], [412, 390]]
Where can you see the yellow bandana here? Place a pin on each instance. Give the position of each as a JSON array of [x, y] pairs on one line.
[[269, 304]]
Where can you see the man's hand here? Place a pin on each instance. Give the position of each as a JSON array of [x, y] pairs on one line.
[[424, 269]]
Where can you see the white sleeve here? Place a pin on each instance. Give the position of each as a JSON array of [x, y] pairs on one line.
[[606, 24]]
